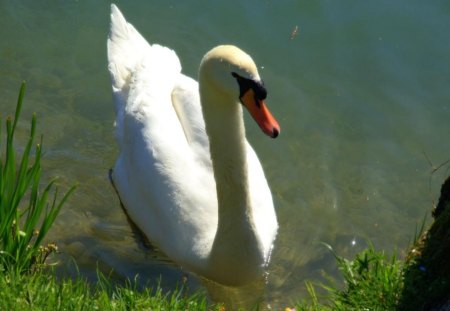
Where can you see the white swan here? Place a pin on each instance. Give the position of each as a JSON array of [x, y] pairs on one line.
[[199, 195]]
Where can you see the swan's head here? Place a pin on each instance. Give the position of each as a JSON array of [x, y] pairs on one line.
[[233, 73]]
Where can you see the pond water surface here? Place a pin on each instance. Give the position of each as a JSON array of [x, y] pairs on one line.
[[361, 91]]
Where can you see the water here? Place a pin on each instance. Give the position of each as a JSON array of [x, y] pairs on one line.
[[361, 92]]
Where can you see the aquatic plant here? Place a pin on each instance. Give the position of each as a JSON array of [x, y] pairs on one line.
[[26, 212]]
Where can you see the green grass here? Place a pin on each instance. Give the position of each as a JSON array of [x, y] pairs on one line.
[[42, 291], [26, 212], [373, 281]]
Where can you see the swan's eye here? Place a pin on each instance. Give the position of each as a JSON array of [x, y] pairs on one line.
[[247, 84]]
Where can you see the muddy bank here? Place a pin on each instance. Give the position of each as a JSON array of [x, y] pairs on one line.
[[427, 274]]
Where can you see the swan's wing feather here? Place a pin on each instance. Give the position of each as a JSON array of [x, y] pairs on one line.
[[186, 101], [157, 173], [126, 48]]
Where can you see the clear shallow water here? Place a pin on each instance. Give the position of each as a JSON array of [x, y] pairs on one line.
[[361, 93]]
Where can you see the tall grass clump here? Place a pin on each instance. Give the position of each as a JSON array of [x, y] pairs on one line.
[[373, 281], [26, 212]]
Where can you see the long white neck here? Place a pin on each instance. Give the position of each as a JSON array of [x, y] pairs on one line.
[[236, 249]]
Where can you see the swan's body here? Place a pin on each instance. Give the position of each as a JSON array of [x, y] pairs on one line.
[[200, 195]]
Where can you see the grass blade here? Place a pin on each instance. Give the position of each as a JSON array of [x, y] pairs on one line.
[[20, 246]]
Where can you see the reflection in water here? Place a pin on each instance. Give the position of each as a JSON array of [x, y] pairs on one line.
[[245, 297]]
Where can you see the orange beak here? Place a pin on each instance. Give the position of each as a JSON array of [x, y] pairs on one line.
[[261, 114]]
